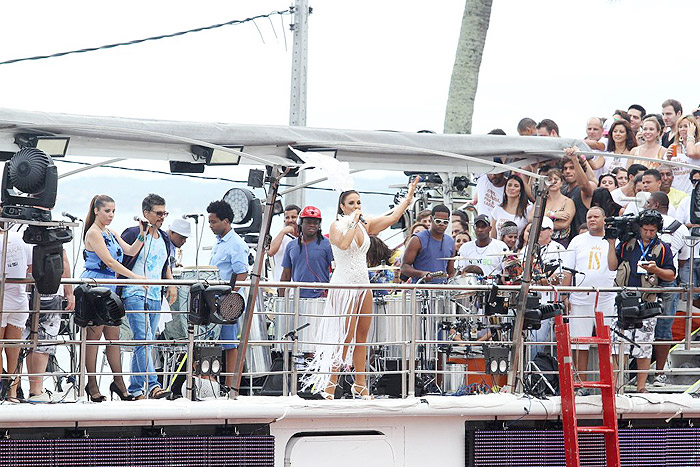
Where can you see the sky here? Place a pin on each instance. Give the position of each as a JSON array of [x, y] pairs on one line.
[[372, 65]]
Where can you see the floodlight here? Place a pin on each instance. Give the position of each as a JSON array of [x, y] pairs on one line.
[[218, 156], [54, 146]]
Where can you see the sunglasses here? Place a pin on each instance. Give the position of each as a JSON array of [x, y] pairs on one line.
[[441, 221], [161, 213]]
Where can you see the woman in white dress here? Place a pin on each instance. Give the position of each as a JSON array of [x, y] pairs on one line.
[[349, 237]]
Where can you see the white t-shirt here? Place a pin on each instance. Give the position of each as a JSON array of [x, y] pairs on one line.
[[480, 256], [19, 258], [633, 209], [681, 175], [590, 257], [676, 240], [489, 196], [279, 256], [683, 210], [501, 216], [617, 197]]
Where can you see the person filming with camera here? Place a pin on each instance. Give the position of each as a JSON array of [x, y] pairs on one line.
[[641, 259]]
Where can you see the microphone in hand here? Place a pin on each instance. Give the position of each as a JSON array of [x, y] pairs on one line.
[[144, 223]]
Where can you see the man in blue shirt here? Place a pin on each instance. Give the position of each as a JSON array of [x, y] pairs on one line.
[[152, 262], [308, 259], [230, 255], [644, 256]]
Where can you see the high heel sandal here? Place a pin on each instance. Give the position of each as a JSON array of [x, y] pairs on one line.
[[362, 392], [99, 398], [114, 389], [329, 392], [158, 393]]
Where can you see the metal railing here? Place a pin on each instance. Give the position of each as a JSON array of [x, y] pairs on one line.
[[420, 353]]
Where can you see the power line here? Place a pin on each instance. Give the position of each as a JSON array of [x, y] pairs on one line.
[[205, 177], [153, 38]]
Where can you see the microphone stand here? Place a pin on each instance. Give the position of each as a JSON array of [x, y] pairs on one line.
[[196, 245]]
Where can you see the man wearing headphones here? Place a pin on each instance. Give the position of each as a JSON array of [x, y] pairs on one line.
[[308, 258]]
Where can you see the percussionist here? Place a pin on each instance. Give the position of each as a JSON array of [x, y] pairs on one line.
[[424, 250]]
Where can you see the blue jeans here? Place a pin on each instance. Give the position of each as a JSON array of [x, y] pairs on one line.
[[143, 325]]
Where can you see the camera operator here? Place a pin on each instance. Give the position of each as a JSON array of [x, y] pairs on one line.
[[674, 234], [642, 261]]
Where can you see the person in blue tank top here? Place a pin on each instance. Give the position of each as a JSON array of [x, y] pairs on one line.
[[103, 253], [420, 260]]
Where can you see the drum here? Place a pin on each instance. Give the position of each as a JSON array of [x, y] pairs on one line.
[[310, 310], [437, 313], [390, 328], [466, 280], [513, 270]]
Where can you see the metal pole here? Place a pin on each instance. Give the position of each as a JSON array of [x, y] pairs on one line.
[[196, 245], [404, 347], [275, 177], [3, 274], [190, 362], [83, 346], [297, 98], [516, 352], [295, 343], [35, 317], [285, 350], [412, 348], [691, 287]]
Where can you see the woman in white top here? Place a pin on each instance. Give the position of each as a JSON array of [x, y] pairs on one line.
[[347, 314], [686, 146], [651, 131], [621, 140], [515, 207]]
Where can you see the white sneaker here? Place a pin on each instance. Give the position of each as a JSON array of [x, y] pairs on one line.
[[45, 396], [660, 381]]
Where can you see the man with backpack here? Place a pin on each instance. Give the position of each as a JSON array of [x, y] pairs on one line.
[[642, 261]]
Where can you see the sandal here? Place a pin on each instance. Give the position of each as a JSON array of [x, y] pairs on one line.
[[158, 393], [362, 392], [329, 392]]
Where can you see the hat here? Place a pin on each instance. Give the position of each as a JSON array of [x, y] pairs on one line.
[[181, 226], [509, 230], [310, 211], [482, 218], [547, 223]]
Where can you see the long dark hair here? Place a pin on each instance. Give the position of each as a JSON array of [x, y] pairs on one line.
[[602, 198], [630, 137], [378, 252], [522, 197], [98, 201], [342, 197]]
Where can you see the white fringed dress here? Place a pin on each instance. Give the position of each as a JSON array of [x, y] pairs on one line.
[[332, 330]]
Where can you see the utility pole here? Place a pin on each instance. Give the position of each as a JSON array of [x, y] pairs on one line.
[[297, 100]]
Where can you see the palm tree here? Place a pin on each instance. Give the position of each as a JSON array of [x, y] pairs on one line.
[[465, 73]]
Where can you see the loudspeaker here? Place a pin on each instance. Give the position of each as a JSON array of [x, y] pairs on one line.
[[390, 385]]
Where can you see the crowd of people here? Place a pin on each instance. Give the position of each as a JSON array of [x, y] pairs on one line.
[[630, 155], [626, 173]]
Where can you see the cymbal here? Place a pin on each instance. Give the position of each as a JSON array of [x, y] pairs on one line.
[[384, 268], [556, 252], [456, 258], [506, 253]]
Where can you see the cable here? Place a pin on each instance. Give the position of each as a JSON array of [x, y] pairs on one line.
[[222, 179], [147, 39]]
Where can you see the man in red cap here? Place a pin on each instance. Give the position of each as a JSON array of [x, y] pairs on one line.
[[308, 259]]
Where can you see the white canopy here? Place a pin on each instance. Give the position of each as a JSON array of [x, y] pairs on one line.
[[116, 137]]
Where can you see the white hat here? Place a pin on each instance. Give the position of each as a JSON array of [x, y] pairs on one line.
[[547, 223], [181, 226]]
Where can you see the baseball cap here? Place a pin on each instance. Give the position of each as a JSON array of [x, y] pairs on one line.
[[482, 218], [547, 223], [181, 226]]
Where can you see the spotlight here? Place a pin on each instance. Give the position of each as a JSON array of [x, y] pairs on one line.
[[97, 306], [533, 316], [216, 304], [632, 310], [47, 255], [207, 359], [495, 304], [218, 156], [246, 209], [54, 146], [29, 182], [496, 359]]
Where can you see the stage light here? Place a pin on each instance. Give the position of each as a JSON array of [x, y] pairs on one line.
[[54, 146], [632, 310], [97, 306], [207, 360], [47, 255], [256, 178], [217, 304], [496, 359], [217, 156], [246, 209], [29, 182]]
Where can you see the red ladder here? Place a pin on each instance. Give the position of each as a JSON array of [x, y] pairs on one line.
[[567, 387]]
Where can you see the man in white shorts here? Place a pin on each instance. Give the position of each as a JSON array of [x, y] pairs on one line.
[[588, 266], [15, 306]]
